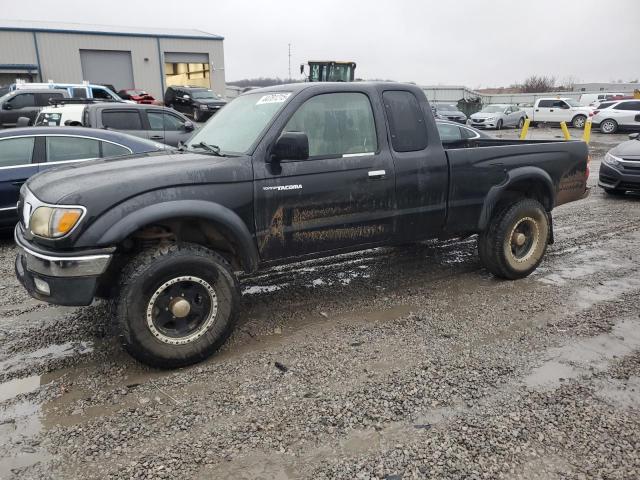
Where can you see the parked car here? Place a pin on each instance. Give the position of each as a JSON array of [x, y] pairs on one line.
[[27, 151], [75, 90], [589, 99], [447, 111], [453, 133], [138, 96], [280, 174], [198, 102], [556, 110], [25, 103], [620, 170], [498, 115], [623, 115], [146, 121]]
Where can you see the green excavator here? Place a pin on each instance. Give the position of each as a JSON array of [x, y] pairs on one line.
[[329, 71]]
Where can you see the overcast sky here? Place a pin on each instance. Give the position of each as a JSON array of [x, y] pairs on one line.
[[476, 43]]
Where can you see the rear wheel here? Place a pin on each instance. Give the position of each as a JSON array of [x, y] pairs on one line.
[[516, 240], [176, 305], [609, 126]]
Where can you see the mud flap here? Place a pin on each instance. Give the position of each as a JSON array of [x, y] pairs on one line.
[[551, 238]]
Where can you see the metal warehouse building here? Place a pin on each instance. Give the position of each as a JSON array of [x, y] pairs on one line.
[[125, 57]]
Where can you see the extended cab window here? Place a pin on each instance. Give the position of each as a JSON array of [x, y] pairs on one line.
[[101, 94], [60, 149], [42, 99], [22, 100], [165, 121], [122, 119], [545, 104], [406, 122], [16, 151], [80, 92], [336, 124], [449, 132]]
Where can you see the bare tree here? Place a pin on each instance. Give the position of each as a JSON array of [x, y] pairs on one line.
[[538, 84]]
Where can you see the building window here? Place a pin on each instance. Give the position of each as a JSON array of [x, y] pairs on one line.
[[196, 74]]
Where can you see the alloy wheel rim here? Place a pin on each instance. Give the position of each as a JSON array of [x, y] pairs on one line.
[[523, 240], [181, 310]]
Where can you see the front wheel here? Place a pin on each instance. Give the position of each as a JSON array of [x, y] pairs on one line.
[[521, 123], [176, 305], [515, 241], [579, 121]]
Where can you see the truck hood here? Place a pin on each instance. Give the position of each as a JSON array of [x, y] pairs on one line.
[[207, 101], [103, 183]]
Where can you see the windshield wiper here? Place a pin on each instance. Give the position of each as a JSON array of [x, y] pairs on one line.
[[215, 149]]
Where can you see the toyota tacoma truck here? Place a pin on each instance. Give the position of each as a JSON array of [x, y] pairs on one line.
[[279, 175]]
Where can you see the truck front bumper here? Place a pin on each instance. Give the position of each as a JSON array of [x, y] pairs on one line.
[[62, 278]]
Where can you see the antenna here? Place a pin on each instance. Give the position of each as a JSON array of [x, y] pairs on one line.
[[289, 61]]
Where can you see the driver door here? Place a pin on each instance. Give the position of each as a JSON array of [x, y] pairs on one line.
[[342, 196]]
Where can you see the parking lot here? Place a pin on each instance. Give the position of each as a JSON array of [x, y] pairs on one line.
[[404, 362]]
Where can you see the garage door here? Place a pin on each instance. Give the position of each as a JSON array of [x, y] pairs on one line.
[[111, 67], [179, 57]]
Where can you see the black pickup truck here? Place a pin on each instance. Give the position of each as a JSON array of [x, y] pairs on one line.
[[280, 174]]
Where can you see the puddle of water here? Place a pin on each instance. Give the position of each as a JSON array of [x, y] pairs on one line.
[[20, 423], [258, 466], [583, 356], [581, 265], [18, 386], [623, 394], [607, 291], [20, 361]]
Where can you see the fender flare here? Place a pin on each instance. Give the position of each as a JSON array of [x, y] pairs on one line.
[[214, 212], [496, 193]]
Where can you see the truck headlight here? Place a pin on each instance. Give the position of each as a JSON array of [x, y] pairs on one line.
[[612, 160], [491, 119], [203, 107], [54, 222]]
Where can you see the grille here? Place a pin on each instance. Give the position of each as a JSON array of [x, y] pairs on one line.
[[478, 120], [629, 185]]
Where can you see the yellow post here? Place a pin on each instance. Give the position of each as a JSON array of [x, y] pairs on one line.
[[525, 129], [586, 136], [565, 130]]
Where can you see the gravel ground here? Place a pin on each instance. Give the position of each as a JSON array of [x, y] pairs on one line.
[[391, 363]]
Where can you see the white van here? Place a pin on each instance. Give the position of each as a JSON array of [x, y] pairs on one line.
[[590, 98]]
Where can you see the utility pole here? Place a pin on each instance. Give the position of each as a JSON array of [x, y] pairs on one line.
[[289, 61]]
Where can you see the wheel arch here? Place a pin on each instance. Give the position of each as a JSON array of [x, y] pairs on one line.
[[196, 221], [524, 182]]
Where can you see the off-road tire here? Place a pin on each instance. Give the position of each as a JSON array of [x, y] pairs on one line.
[[148, 271], [494, 244], [579, 121]]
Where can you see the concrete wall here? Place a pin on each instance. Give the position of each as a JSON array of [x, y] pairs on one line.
[[60, 55]]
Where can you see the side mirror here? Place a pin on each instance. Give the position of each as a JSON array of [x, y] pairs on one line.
[[23, 122], [186, 97], [290, 146], [634, 136], [566, 107], [7, 106], [189, 126]]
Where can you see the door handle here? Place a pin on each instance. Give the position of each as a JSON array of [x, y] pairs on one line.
[[537, 110], [377, 174], [157, 137], [551, 110]]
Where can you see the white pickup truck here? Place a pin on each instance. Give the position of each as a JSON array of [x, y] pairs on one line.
[[556, 110]]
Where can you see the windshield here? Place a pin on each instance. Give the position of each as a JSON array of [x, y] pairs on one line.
[[572, 103], [237, 126], [493, 109], [446, 107], [203, 94], [48, 119]]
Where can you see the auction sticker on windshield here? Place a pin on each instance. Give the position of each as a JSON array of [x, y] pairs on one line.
[[273, 98]]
